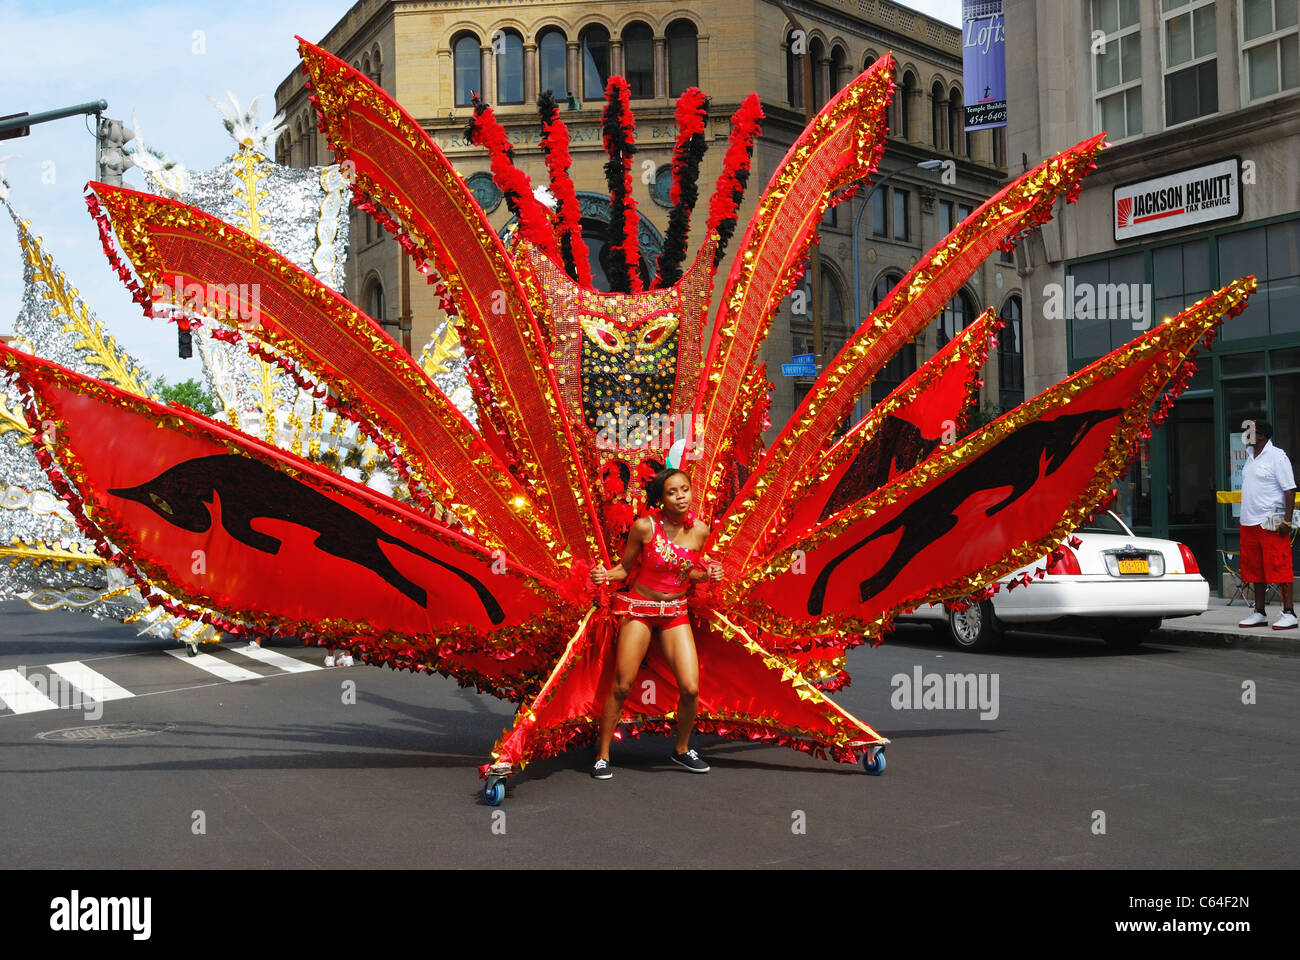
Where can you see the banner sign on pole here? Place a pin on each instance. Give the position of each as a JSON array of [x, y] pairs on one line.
[[984, 69]]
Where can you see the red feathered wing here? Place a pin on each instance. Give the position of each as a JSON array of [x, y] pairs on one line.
[[398, 166], [220, 520], [843, 144], [912, 304], [195, 256], [975, 511], [925, 410]]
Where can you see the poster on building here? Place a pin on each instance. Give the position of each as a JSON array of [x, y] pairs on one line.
[[984, 71], [1236, 464]]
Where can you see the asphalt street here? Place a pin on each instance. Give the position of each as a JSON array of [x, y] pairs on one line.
[[1095, 759]]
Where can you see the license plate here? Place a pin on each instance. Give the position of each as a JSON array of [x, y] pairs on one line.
[[1133, 565]]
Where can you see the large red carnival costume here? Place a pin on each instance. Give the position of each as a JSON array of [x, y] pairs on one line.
[[823, 539]]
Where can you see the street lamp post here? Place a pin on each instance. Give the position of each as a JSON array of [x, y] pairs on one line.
[[857, 222]]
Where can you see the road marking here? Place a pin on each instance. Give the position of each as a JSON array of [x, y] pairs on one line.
[[215, 666], [90, 682], [19, 695], [275, 659]]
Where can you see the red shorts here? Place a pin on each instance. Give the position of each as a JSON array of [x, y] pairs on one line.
[[655, 614], [1265, 555]]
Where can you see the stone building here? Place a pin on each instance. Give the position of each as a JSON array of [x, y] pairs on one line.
[[430, 55], [1201, 101]]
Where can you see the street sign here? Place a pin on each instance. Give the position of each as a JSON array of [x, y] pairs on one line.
[[798, 370], [804, 358]]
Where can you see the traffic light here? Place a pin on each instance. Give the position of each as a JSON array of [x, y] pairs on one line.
[[113, 160]]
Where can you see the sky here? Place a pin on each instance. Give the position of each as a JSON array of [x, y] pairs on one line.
[[162, 60]]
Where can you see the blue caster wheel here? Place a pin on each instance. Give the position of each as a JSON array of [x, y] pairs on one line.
[[494, 791], [874, 764]]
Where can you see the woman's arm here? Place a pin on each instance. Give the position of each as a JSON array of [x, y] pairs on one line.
[[639, 535], [709, 568]]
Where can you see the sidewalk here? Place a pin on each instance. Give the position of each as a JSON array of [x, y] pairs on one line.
[[1217, 627]]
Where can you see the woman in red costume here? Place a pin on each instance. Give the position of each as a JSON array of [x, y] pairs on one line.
[[667, 542]]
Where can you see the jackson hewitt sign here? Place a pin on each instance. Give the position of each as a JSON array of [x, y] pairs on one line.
[[1176, 200]]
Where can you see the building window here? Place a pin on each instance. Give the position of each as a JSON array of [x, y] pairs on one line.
[[552, 71], [683, 58], [794, 70], [510, 68], [839, 69], [1000, 146], [817, 51], [375, 301], [1191, 68], [938, 125], [1272, 254], [639, 60], [1270, 48], [467, 63], [958, 312], [956, 125], [1011, 357], [1102, 316], [905, 105], [903, 364], [880, 213], [945, 217], [595, 62], [1117, 70], [900, 214]]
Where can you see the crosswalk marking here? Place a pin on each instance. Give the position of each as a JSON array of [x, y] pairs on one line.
[[275, 659], [91, 683], [215, 666], [19, 695]]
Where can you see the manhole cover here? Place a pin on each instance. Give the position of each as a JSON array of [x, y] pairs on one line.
[[104, 731]]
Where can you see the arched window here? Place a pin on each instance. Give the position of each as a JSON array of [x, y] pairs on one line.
[[958, 312], [868, 60], [794, 54], [903, 364], [365, 65], [817, 51], [509, 50], [553, 73], [595, 62], [956, 121], [839, 69], [375, 301], [639, 60], [905, 105], [1011, 356], [683, 60], [309, 142], [467, 63], [938, 124], [835, 331], [376, 71]]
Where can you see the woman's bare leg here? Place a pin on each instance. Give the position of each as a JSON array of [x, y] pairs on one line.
[[633, 642], [679, 650]]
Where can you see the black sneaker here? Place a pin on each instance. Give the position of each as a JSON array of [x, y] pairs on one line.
[[690, 760], [601, 770]]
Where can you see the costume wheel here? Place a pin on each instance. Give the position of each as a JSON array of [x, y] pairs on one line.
[[873, 761], [975, 628], [494, 791], [192, 650]]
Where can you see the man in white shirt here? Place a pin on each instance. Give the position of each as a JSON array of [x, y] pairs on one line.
[[1267, 491]]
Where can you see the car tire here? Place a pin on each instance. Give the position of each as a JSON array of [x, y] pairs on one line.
[[976, 628], [1128, 634]]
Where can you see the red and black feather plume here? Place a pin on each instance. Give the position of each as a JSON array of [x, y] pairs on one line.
[[692, 120], [555, 147], [730, 189], [619, 127]]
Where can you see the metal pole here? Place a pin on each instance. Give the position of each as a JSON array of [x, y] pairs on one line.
[[27, 120]]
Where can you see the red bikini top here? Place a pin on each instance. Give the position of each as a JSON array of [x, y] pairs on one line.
[[663, 565]]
